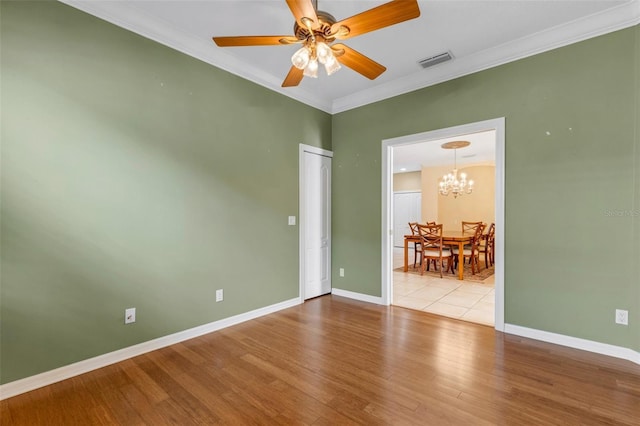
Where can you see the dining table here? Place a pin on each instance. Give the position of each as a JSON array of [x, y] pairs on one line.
[[448, 238]]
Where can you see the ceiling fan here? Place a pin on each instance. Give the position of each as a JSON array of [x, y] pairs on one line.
[[317, 31]]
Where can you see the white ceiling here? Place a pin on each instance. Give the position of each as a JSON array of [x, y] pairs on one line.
[[480, 34], [414, 156]]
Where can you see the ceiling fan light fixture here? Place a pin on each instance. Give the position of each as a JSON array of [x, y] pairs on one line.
[[301, 58], [317, 30], [332, 65], [312, 69], [323, 52]]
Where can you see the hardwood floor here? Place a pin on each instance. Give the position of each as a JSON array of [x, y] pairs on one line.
[[334, 361]]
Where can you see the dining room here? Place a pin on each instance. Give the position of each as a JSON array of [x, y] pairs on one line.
[[444, 227]]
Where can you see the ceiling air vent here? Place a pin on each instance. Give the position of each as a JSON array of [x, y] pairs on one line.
[[434, 60]]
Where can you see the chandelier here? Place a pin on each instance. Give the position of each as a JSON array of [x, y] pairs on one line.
[[314, 51], [451, 183]]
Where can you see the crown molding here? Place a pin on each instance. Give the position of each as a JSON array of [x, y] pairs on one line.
[[610, 20], [127, 16]]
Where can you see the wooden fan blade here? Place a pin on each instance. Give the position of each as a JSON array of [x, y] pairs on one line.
[[303, 9], [358, 62], [382, 16], [293, 78], [253, 40]]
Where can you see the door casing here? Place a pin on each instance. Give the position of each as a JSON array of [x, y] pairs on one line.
[[497, 124]]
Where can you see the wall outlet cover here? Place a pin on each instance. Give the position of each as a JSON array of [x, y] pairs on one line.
[[622, 317], [219, 295]]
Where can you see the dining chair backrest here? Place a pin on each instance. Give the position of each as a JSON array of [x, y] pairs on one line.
[[470, 227], [431, 236], [491, 233], [414, 228], [490, 245], [477, 237], [431, 223]]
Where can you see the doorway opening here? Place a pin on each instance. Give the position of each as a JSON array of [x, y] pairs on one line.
[[443, 209]]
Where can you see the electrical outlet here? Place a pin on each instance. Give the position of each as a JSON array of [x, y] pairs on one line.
[[129, 315], [622, 317], [219, 296], [342, 272]]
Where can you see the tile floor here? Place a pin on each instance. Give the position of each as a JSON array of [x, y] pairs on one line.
[[465, 300]]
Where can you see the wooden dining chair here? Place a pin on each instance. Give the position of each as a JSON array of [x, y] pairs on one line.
[[432, 249], [417, 246], [472, 252], [470, 226], [487, 246]]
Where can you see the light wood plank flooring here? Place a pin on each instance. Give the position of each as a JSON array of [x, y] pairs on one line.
[[333, 361]]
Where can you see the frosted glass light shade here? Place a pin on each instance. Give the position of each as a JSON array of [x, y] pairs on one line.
[[323, 52], [300, 59], [332, 65], [312, 69]]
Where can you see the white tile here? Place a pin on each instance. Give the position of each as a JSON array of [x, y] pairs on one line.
[[458, 298], [489, 280], [411, 302], [467, 300], [489, 298], [431, 293], [475, 288], [479, 316], [446, 310], [410, 283], [446, 284], [484, 306], [401, 277]]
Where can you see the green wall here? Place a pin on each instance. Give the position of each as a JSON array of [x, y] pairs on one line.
[[572, 240], [135, 176]]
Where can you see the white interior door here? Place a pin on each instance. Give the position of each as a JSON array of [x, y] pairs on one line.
[[407, 207], [317, 225]]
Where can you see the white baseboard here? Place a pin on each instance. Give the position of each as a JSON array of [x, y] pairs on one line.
[[574, 342], [357, 296], [43, 379]]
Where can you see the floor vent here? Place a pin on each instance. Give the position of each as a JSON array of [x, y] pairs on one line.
[[434, 60]]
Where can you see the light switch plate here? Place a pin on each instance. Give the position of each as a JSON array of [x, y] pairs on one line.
[[129, 315], [292, 220]]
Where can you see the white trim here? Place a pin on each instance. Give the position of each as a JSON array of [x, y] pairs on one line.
[[411, 191], [497, 124], [574, 342], [607, 21], [301, 211], [27, 384], [387, 225], [357, 296], [127, 15]]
